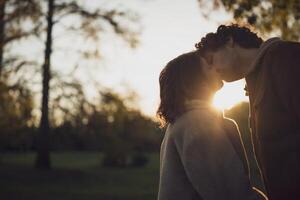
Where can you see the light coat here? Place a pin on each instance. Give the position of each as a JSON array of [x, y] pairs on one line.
[[198, 161]]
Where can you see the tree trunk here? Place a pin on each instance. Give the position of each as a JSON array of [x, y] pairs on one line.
[[43, 151], [2, 33]]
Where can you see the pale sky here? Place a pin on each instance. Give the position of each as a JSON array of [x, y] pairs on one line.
[[169, 28]]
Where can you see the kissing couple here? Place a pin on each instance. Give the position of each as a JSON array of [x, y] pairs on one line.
[[202, 156]]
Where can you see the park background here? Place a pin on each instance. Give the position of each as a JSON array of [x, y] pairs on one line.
[[79, 89]]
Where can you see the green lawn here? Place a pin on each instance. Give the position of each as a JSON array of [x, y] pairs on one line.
[[76, 176], [79, 176]]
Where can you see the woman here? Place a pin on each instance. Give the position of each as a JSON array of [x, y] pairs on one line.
[[202, 157]]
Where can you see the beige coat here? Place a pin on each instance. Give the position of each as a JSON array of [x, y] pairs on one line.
[[199, 162]]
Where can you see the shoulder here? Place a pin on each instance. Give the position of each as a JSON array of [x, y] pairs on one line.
[[230, 124], [283, 48], [199, 118], [282, 60], [196, 123], [232, 131], [286, 45]]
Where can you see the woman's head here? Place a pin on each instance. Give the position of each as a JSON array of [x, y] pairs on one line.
[[187, 77]]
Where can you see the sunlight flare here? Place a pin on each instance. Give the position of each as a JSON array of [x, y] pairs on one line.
[[230, 95]]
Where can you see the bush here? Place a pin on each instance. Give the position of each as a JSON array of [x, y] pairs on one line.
[[139, 160], [116, 160]]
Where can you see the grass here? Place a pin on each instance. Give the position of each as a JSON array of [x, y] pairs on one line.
[[76, 176], [79, 176]]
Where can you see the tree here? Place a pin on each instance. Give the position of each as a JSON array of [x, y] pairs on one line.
[[15, 97], [56, 12], [15, 115], [68, 103], [13, 15], [2, 16], [43, 156], [127, 132], [280, 16]]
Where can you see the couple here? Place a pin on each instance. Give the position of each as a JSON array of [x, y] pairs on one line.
[[202, 155]]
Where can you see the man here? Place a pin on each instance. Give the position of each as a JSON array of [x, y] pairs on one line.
[[272, 73]]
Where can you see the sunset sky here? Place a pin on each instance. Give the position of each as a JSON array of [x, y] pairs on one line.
[[170, 28]]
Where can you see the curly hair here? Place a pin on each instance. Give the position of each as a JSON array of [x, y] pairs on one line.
[[180, 80], [241, 35]]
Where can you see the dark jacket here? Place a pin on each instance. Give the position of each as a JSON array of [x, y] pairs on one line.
[[274, 91]]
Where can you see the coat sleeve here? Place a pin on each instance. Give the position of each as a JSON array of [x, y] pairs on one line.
[[285, 63], [212, 165]]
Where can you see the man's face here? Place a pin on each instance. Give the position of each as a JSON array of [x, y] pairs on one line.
[[225, 61]]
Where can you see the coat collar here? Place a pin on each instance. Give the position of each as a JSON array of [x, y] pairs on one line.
[[200, 104]]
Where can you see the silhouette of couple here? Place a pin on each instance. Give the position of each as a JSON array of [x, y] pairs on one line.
[[202, 155]]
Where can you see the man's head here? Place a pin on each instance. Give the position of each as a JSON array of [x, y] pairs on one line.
[[228, 50]]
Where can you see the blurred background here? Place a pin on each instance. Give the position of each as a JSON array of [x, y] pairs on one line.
[[79, 89]]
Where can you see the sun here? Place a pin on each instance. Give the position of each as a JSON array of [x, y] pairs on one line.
[[230, 95]]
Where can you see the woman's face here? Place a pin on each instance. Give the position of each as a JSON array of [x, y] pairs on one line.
[[214, 80]]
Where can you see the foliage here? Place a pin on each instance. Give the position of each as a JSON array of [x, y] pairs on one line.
[[89, 22], [109, 126], [128, 131], [16, 117], [279, 16], [17, 109], [19, 20], [139, 160]]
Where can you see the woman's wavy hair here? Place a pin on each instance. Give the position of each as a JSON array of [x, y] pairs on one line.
[[180, 80], [242, 35]]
